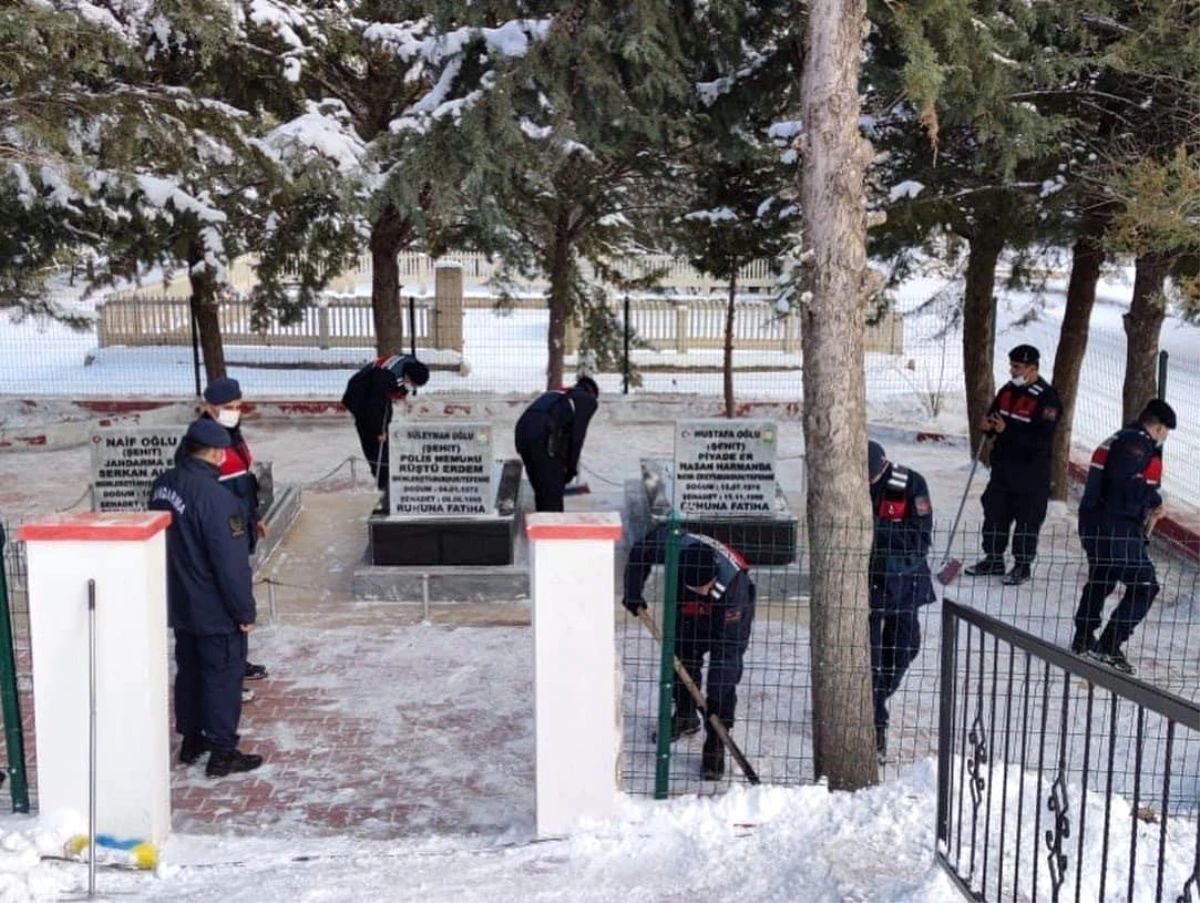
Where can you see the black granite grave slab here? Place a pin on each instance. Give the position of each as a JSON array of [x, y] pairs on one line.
[[472, 540]]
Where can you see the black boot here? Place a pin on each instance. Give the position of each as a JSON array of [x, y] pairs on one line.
[[222, 762], [1019, 574], [712, 759], [1109, 651], [194, 746], [1083, 642], [989, 566], [881, 742], [254, 672]]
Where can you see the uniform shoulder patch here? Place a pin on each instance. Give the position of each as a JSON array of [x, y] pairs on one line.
[[237, 526], [923, 505], [1049, 412]]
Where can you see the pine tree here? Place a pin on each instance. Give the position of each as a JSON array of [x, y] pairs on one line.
[[582, 130], [966, 152], [739, 195]]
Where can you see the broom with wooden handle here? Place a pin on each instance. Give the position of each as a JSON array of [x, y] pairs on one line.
[[951, 566], [701, 703]]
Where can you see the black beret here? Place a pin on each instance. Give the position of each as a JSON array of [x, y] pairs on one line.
[[1024, 354], [208, 434], [222, 391]]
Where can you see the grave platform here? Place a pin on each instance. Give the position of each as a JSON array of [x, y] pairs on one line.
[[473, 558], [762, 539], [448, 540]]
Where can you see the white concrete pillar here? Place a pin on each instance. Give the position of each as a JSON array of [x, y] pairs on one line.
[[575, 695], [125, 553]]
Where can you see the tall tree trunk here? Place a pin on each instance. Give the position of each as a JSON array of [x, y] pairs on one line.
[[1086, 259], [204, 309], [559, 301], [730, 314], [1143, 324], [978, 340], [390, 234], [835, 424]]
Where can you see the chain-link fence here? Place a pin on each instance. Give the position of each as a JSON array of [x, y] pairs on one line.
[[774, 713], [670, 341]]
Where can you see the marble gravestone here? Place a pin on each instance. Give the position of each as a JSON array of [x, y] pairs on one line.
[[125, 462], [721, 482], [450, 503]]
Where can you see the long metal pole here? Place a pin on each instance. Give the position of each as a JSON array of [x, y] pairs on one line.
[[14, 735], [195, 344], [91, 739]]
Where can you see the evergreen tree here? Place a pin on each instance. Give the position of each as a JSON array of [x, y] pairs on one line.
[[582, 129], [739, 193]]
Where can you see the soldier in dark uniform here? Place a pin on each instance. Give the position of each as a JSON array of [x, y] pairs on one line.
[[223, 405], [716, 610], [210, 600], [899, 576], [1021, 421], [1120, 506], [549, 438], [368, 397]]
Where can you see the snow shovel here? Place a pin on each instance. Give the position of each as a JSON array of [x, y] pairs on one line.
[[951, 566], [681, 672]]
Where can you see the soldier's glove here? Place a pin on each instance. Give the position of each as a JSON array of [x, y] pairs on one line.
[[634, 606]]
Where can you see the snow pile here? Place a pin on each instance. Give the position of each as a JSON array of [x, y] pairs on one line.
[[749, 845]]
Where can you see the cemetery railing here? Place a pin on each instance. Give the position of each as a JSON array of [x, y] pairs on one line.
[[1060, 778]]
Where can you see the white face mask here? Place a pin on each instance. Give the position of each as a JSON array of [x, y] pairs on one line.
[[1019, 381], [229, 417]]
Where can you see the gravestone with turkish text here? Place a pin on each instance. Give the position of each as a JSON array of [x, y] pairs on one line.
[[725, 468], [125, 462], [441, 469]]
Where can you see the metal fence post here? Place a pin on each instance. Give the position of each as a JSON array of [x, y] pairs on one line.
[[1163, 359], [625, 361], [412, 325], [14, 734], [666, 686], [948, 665]]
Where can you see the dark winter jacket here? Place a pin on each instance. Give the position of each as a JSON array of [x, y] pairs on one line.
[[208, 572], [560, 418], [1123, 482], [237, 477], [701, 559], [370, 392], [1020, 458], [899, 569]]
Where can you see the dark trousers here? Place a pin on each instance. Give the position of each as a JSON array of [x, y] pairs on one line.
[[546, 473], [1115, 557], [1022, 512], [725, 642], [208, 685], [895, 642], [376, 453]]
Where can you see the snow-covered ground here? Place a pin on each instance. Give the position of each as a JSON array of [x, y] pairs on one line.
[[791, 843], [773, 843], [801, 845]]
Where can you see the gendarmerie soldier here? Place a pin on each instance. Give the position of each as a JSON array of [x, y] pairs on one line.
[[1021, 421]]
